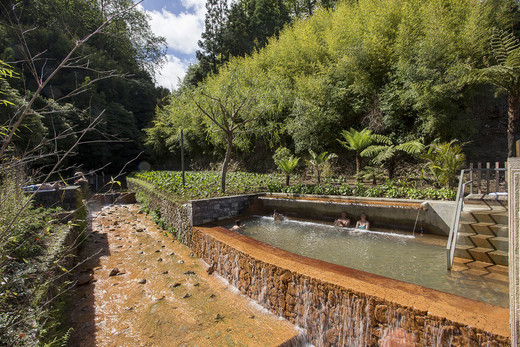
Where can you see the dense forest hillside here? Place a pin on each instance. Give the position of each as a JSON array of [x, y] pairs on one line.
[[400, 68], [108, 76]]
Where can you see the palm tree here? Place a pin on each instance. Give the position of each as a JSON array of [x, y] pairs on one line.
[[318, 160], [357, 141], [287, 165], [386, 152], [506, 76], [444, 161]]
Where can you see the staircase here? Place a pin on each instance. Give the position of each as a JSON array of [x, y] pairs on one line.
[[483, 231]]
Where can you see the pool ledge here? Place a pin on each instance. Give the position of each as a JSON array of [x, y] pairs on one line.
[[465, 319]]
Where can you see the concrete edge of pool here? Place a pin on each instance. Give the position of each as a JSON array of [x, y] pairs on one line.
[[475, 321]]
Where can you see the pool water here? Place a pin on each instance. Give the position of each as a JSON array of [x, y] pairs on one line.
[[419, 259]]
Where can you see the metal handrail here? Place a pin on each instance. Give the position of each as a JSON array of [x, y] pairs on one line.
[[454, 230]]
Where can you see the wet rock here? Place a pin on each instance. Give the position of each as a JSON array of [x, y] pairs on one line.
[[142, 281], [189, 272], [187, 295], [114, 272], [180, 261], [84, 280]]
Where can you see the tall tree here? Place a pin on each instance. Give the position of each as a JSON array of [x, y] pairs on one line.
[[212, 53], [231, 105], [506, 76]]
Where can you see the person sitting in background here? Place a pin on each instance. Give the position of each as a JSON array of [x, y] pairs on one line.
[[363, 223], [238, 225], [277, 215], [343, 221], [79, 177]]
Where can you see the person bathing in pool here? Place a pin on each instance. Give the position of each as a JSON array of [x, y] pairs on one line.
[[363, 223], [278, 216], [238, 225], [343, 221]]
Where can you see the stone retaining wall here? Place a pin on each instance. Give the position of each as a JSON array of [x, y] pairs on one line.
[[215, 209], [177, 216], [64, 197], [322, 298]]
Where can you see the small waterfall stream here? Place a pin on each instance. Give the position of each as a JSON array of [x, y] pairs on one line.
[[330, 315]]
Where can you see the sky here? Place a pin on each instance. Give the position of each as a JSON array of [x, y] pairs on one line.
[[181, 22]]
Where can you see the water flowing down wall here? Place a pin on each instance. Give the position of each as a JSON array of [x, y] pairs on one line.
[[339, 306]]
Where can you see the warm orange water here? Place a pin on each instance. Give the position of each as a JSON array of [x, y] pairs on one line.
[[173, 308]]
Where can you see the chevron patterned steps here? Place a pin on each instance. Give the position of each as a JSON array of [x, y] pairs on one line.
[[481, 254], [483, 233], [499, 257], [500, 243], [500, 230]]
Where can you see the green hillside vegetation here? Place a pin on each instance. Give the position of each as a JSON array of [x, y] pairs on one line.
[[395, 67], [108, 75]]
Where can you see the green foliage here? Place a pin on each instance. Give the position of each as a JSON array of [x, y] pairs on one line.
[[444, 162], [371, 173], [287, 166], [506, 76], [126, 48], [281, 153], [390, 66], [387, 190], [6, 71], [318, 161], [387, 151], [202, 185], [357, 141]]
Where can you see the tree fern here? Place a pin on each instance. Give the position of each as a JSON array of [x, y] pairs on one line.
[[356, 141], [287, 165]]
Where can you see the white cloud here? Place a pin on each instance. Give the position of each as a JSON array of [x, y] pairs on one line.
[[183, 30], [199, 5], [172, 71]]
